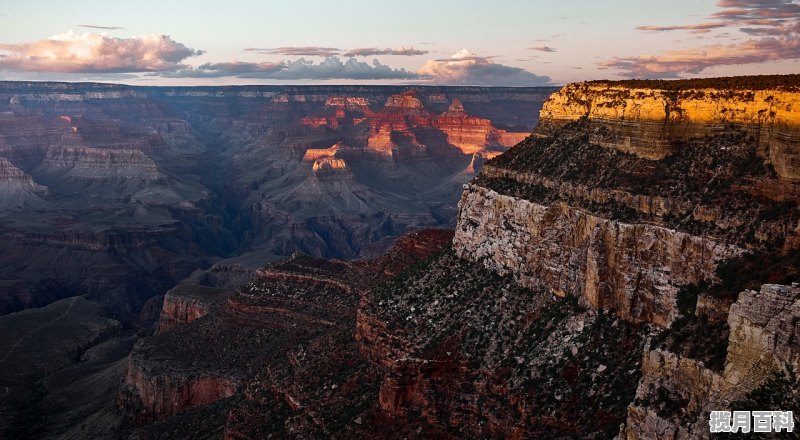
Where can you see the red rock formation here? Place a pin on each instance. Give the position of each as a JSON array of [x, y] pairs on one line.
[[162, 395], [186, 303], [406, 121], [329, 168]]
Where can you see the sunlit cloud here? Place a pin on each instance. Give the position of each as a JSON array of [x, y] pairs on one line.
[[300, 51], [467, 68], [673, 63], [302, 69], [772, 25], [71, 52], [690, 27], [371, 51], [104, 28]]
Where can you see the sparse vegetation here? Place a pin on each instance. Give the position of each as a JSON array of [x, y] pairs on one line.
[[695, 336], [781, 392], [549, 354], [711, 175], [754, 82]]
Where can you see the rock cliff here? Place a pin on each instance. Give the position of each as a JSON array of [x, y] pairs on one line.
[[677, 393], [632, 201], [647, 122], [634, 269], [275, 356]]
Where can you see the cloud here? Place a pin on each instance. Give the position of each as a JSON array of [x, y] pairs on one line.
[[371, 51], [673, 63], [326, 52], [772, 25], [105, 28], [542, 48], [302, 69], [690, 27], [96, 53], [466, 68], [757, 9], [301, 51]]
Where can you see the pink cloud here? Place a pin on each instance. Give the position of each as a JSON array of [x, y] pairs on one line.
[[370, 51], [466, 68], [672, 63], [302, 51], [96, 53], [775, 23]]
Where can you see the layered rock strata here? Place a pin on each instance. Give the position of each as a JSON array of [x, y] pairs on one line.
[[676, 394], [635, 269], [647, 121]]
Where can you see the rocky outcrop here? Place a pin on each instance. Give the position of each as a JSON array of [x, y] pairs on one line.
[[188, 302], [676, 394], [405, 121], [329, 168], [17, 189], [95, 163], [153, 394], [765, 329], [648, 121], [472, 134], [634, 269], [408, 100], [283, 340], [313, 154]]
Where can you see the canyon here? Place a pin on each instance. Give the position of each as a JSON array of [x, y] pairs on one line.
[[121, 192], [627, 268], [114, 194]]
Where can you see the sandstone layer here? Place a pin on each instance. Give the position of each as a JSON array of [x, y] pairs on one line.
[[648, 122]]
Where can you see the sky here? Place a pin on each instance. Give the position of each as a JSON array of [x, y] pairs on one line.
[[442, 42]]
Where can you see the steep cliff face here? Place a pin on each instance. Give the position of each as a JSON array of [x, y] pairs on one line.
[[659, 206], [92, 162], [472, 134], [677, 393], [406, 121], [624, 230], [634, 269], [647, 122], [159, 395]]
